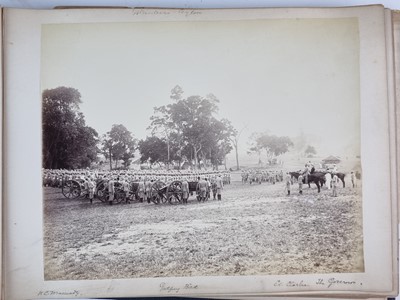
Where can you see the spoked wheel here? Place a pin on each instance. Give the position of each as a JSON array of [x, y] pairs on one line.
[[84, 193], [71, 189], [175, 193], [133, 187], [158, 192]]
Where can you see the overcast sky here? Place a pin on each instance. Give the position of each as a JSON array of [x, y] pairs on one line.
[[284, 76]]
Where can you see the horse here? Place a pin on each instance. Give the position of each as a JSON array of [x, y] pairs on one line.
[[339, 175], [316, 177]]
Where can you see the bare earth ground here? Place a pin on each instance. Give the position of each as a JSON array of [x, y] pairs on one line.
[[254, 230]]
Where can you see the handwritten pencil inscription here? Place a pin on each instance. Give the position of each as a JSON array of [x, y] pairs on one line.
[[73, 293], [172, 289]]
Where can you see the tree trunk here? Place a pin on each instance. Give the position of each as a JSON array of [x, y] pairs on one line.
[[211, 162], [168, 153], [196, 160], [109, 155], [237, 157]]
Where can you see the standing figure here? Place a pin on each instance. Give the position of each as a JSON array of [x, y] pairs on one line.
[[328, 179], [300, 179], [91, 187], [141, 190], [125, 187], [306, 172], [220, 186], [353, 179], [208, 188], [335, 184], [214, 188], [147, 186], [202, 186], [86, 188], [111, 191], [185, 191], [288, 182]]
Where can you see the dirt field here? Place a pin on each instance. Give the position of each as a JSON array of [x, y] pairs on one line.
[[254, 230]]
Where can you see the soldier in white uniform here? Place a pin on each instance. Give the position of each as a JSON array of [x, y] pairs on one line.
[[220, 186]]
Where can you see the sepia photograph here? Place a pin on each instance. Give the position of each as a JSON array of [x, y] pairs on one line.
[[201, 148]]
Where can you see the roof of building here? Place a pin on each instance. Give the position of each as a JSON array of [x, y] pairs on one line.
[[331, 158]]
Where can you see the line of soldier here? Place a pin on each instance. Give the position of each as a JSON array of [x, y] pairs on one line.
[[214, 179], [206, 185], [54, 178], [271, 176]]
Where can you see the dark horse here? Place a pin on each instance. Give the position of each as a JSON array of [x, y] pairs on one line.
[[316, 177], [341, 177]]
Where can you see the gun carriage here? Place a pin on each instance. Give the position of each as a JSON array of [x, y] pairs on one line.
[[73, 188], [160, 192]]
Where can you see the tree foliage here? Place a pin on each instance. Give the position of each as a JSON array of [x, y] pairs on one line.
[[154, 150], [119, 144], [67, 141], [310, 151], [191, 130], [271, 145]]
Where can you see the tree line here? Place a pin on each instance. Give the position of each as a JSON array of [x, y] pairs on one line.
[[187, 130]]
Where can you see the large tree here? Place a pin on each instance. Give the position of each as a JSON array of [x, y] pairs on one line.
[[152, 150], [234, 136], [67, 141], [271, 145], [119, 144], [191, 122], [310, 151]]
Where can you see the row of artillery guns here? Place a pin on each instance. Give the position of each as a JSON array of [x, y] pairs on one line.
[[159, 193]]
